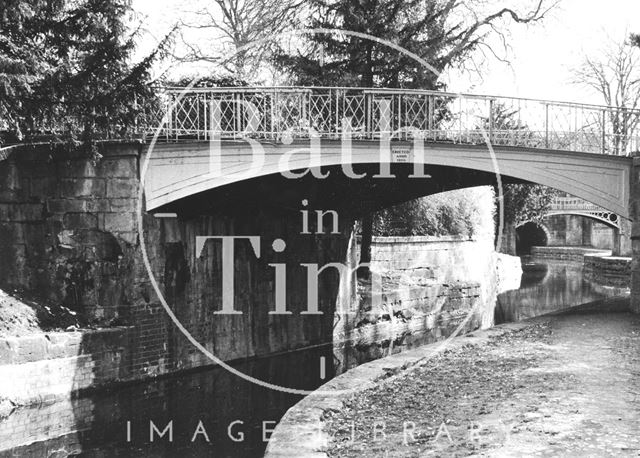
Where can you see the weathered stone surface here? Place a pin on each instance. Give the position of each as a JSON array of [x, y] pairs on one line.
[[119, 222], [122, 188], [572, 253], [86, 255], [118, 167], [66, 205], [56, 365], [82, 187], [80, 220]]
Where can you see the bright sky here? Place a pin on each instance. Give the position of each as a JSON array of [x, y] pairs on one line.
[[542, 55]]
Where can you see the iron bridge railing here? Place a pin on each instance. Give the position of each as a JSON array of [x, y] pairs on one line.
[[575, 205], [281, 113]]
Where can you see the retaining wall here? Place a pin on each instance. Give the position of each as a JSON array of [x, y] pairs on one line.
[[566, 253], [428, 286], [49, 366], [69, 234], [613, 271]]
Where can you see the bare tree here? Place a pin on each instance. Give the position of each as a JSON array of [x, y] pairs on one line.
[[614, 73], [445, 33], [238, 23]]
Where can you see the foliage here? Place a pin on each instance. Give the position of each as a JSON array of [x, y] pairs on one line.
[[214, 80], [442, 33], [457, 212], [69, 63], [526, 202], [522, 202]]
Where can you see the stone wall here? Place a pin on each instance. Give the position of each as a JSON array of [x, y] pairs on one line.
[[50, 366], [67, 227], [429, 286], [573, 230], [614, 271], [568, 253], [68, 234]]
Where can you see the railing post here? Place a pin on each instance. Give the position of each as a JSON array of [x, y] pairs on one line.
[[338, 125], [272, 102], [237, 114], [369, 121], [546, 126], [431, 115], [205, 109], [198, 116], [491, 115], [459, 119], [169, 113], [604, 131]]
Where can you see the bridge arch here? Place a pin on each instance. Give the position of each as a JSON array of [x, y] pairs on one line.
[[525, 239], [179, 170], [607, 218]]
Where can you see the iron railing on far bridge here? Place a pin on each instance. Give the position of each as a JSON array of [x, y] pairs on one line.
[[284, 113]]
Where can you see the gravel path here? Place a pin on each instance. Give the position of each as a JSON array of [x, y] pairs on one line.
[[567, 385]]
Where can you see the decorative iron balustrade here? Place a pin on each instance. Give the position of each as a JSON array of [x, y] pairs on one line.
[[577, 206], [285, 113]]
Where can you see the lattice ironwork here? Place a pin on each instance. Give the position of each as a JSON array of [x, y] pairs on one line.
[[297, 112], [580, 207]]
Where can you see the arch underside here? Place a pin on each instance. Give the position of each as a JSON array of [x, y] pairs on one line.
[[179, 170], [540, 224]]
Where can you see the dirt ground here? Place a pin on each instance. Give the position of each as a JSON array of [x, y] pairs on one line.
[[20, 316], [567, 385]]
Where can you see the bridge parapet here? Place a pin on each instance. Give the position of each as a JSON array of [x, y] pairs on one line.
[[285, 113], [578, 206]]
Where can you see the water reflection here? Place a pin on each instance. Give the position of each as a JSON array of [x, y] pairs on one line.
[[546, 286], [232, 412]]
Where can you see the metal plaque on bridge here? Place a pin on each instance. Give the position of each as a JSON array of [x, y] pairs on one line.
[[400, 153]]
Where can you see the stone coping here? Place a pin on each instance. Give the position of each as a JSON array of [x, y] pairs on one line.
[[300, 432], [576, 249], [419, 239], [46, 345], [608, 258]]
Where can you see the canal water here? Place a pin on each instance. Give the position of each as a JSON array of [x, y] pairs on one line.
[[547, 286], [214, 413]]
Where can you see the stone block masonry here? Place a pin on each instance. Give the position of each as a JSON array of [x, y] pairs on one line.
[[612, 271], [566, 253], [68, 234], [47, 367], [430, 286], [62, 235]]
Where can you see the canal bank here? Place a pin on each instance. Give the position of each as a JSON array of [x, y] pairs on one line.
[[220, 399], [444, 281], [536, 385], [547, 285]]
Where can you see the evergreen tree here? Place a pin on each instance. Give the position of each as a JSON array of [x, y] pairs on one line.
[[67, 65], [444, 33], [437, 31]]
